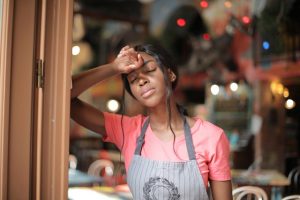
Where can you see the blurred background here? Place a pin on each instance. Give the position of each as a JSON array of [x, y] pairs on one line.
[[239, 68]]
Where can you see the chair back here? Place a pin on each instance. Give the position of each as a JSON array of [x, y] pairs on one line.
[[249, 192], [292, 197], [101, 167], [72, 162], [294, 178]]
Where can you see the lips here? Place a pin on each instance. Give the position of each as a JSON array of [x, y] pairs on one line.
[[146, 92]]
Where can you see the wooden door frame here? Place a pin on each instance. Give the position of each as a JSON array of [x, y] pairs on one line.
[[17, 69], [56, 112], [5, 67]]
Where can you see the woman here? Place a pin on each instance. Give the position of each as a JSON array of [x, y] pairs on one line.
[[168, 155]]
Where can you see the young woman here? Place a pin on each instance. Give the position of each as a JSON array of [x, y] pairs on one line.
[[168, 155]]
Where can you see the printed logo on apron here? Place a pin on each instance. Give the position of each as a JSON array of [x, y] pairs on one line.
[[159, 185]]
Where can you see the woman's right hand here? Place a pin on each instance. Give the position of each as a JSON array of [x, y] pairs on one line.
[[127, 60]]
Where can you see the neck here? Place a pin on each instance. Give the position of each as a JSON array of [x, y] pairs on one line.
[[159, 117]]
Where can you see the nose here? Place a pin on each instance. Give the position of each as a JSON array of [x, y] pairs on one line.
[[142, 81]]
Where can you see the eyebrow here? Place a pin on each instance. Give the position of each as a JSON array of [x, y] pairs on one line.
[[146, 62]]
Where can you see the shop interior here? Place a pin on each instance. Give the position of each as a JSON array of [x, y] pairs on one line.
[[239, 66]]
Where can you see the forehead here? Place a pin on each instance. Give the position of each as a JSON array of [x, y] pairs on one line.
[[146, 56]]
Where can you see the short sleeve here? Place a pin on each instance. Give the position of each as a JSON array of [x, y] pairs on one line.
[[219, 165], [120, 127]]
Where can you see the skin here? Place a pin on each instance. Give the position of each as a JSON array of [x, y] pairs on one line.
[[147, 85]]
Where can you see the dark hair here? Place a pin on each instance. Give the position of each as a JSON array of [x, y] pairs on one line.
[[165, 63], [163, 60]]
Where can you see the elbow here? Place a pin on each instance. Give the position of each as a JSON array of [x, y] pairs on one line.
[[75, 103]]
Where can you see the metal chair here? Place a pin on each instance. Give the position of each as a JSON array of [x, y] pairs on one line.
[[292, 197], [294, 178], [249, 193]]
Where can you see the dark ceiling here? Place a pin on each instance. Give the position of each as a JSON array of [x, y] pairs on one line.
[[122, 10]]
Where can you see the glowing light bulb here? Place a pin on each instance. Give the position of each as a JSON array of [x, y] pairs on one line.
[[75, 50], [113, 105], [290, 104], [234, 86], [215, 89]]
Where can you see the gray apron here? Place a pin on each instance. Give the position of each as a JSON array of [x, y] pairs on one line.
[[163, 180]]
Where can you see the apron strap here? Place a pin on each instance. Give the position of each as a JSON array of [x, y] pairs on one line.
[[141, 139], [187, 134], [189, 140]]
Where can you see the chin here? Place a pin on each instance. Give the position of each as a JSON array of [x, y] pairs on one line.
[[152, 102]]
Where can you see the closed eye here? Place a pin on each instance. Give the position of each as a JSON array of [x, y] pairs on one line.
[[132, 80]]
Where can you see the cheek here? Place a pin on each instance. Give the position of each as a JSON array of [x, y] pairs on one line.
[[133, 90]]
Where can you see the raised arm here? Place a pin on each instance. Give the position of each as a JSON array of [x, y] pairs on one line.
[[85, 114]]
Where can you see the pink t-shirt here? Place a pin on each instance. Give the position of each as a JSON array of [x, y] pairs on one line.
[[210, 142]]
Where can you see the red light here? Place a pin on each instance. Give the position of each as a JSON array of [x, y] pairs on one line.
[[204, 4], [181, 22], [246, 19], [206, 36]]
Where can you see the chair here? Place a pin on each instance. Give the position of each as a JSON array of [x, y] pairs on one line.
[[72, 161], [292, 197], [102, 168], [294, 178], [249, 192]]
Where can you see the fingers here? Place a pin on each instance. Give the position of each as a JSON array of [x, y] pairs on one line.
[[140, 60], [125, 51], [128, 59]]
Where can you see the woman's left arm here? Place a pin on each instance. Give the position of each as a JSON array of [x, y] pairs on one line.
[[221, 190]]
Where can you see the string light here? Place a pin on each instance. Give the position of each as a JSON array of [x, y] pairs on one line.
[[246, 19], [266, 45], [181, 22], [286, 93], [203, 4], [206, 36]]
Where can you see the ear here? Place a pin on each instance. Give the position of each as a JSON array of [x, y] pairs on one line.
[[172, 76]]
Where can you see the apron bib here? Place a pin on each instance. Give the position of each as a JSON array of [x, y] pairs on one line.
[[163, 180]]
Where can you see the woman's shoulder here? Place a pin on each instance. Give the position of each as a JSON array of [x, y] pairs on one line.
[[126, 120], [207, 128]]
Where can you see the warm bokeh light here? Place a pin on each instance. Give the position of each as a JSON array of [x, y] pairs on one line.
[[286, 93], [203, 4], [113, 105], [215, 89], [206, 36], [273, 86], [290, 104], [75, 50], [181, 22], [279, 88], [234, 86], [246, 19], [227, 4]]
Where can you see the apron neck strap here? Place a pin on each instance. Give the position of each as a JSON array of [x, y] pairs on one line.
[[187, 133], [141, 139]]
